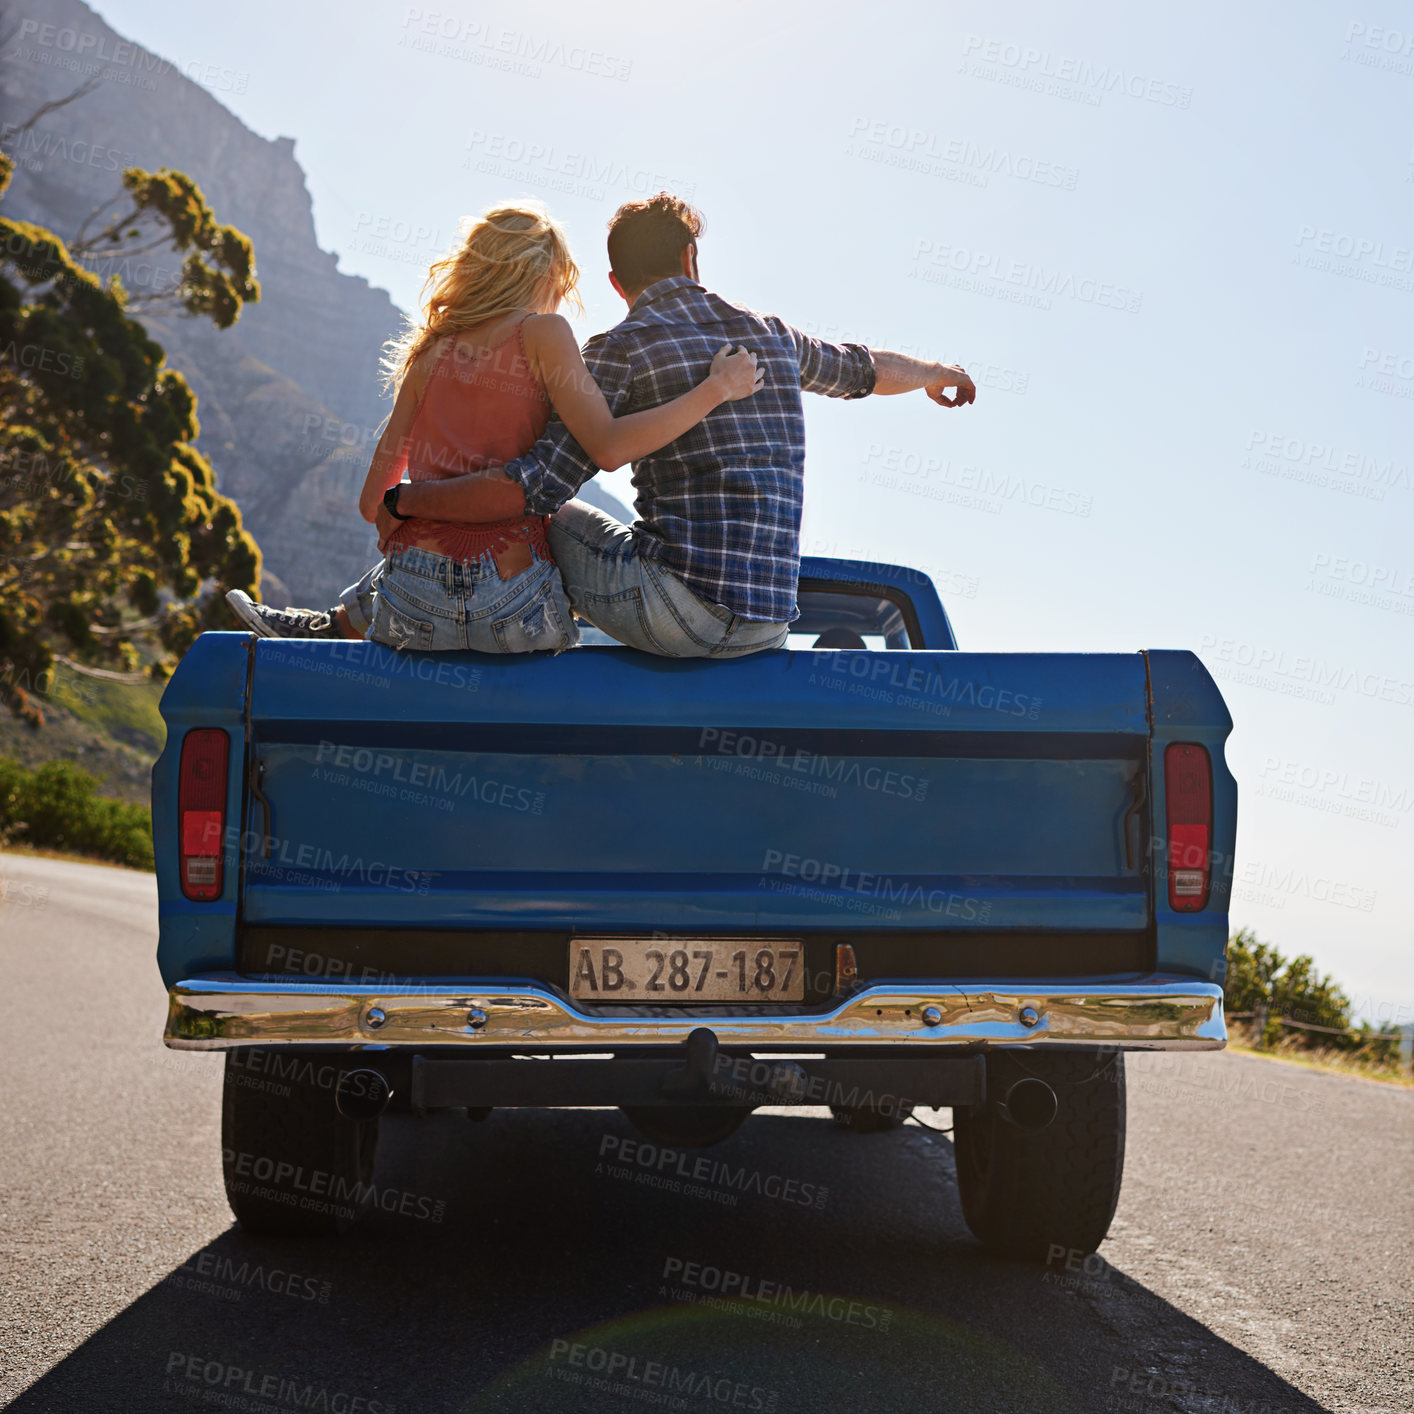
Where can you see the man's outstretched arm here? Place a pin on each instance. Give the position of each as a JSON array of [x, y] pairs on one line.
[[899, 373], [853, 371]]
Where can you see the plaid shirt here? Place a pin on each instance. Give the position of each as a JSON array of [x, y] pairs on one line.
[[720, 507]]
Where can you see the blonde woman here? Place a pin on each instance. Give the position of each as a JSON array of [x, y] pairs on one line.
[[476, 377]]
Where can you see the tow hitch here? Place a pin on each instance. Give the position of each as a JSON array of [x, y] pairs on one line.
[[695, 1077]]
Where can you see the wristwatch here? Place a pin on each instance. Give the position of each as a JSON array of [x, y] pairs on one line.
[[390, 502]]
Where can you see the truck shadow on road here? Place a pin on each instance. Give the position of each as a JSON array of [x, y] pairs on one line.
[[548, 1261]]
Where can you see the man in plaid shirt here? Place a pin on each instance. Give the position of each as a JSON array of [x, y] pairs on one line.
[[720, 507], [709, 568]]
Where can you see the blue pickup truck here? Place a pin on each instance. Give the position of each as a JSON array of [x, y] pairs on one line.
[[870, 877]]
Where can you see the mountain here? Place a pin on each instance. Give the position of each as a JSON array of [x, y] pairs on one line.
[[280, 394], [289, 398]]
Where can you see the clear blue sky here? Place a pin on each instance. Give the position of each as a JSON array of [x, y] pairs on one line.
[[1176, 244]]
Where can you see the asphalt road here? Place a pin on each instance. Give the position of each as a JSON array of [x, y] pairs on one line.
[[1260, 1259]]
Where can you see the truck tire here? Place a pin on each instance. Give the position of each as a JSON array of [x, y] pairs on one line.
[[293, 1165], [1028, 1192]]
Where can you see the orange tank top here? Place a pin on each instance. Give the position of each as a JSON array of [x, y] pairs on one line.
[[478, 410]]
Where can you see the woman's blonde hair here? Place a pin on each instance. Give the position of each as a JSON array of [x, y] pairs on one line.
[[499, 265]]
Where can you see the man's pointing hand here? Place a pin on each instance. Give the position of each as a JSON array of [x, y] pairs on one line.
[[950, 375]]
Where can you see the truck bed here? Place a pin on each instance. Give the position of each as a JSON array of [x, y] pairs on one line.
[[951, 816]]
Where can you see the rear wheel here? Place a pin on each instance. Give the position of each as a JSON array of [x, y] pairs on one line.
[[1028, 1192], [293, 1165]]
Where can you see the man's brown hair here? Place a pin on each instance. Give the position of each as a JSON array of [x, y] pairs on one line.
[[646, 239]]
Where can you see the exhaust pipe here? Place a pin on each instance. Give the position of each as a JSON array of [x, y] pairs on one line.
[[362, 1094], [1030, 1103]]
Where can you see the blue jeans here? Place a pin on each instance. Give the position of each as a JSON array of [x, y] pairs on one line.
[[606, 581], [639, 602], [417, 599]]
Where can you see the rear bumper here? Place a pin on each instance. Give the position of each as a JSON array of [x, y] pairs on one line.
[[1155, 1013]]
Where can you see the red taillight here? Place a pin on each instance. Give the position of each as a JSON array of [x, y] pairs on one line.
[[1188, 802], [201, 811]]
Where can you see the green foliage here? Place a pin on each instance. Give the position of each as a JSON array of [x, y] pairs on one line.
[[126, 712], [1251, 965], [112, 532], [1258, 975], [166, 211], [1300, 993], [55, 807], [1291, 989]]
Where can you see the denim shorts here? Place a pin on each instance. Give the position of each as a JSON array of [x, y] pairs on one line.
[[434, 604]]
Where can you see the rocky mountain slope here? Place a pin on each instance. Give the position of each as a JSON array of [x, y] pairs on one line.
[[289, 399]]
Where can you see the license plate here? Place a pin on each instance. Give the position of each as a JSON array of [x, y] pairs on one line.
[[669, 970]]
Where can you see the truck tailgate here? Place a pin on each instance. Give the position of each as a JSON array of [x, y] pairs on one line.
[[607, 791]]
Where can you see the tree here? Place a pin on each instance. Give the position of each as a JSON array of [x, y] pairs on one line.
[[1260, 978], [1251, 965], [1300, 993], [115, 545], [165, 210]]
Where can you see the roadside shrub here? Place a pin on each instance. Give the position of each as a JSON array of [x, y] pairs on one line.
[[56, 807], [1250, 968], [1291, 989], [12, 774]]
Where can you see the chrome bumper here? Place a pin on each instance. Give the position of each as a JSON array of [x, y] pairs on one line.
[[1157, 1013]]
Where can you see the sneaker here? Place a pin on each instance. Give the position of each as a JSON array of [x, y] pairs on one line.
[[265, 622]]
